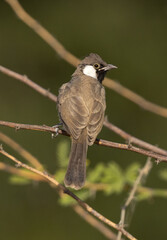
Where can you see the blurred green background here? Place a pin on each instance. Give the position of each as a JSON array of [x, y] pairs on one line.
[[129, 34]]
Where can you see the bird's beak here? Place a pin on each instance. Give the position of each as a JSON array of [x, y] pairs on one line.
[[108, 67]]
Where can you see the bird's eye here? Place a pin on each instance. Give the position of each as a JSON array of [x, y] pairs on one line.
[[96, 65]]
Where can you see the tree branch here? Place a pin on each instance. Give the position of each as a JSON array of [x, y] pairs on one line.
[[71, 59], [20, 172], [32, 176], [109, 125], [18, 126], [30, 83], [63, 189], [143, 173], [135, 98], [25, 154], [43, 33], [132, 139], [59, 48], [80, 211], [94, 222]]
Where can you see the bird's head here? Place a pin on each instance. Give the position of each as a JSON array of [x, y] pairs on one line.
[[93, 66]]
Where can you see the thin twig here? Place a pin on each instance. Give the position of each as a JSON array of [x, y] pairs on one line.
[[102, 142], [135, 98], [71, 59], [111, 126], [32, 176], [94, 222], [68, 192], [17, 147], [80, 211], [159, 158], [20, 172], [42, 32], [132, 139], [153, 192], [143, 173], [29, 82]]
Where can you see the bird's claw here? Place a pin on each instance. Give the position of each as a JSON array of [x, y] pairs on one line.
[[56, 128]]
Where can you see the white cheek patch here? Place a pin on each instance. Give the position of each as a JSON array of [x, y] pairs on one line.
[[90, 71]]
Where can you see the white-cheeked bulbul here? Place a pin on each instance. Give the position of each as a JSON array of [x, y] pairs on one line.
[[81, 107]]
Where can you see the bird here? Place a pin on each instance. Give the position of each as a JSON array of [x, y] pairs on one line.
[[81, 108]]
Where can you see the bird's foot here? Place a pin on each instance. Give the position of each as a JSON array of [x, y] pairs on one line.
[[56, 128]]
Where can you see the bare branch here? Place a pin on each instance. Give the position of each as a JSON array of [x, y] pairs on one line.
[[135, 98], [143, 173], [29, 82], [132, 139], [90, 219], [94, 222], [102, 142], [71, 59], [32, 176], [112, 127], [42, 32], [20, 172], [63, 189], [160, 158], [25, 154]]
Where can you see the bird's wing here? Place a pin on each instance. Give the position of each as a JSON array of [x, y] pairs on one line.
[[96, 118], [73, 112], [76, 115]]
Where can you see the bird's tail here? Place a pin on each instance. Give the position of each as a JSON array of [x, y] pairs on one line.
[[76, 172]]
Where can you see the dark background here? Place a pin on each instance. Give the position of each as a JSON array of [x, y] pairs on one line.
[[129, 34]]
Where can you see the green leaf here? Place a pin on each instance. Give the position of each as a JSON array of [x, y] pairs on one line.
[[159, 193], [15, 179], [62, 150], [143, 196], [66, 200], [112, 172], [96, 174], [60, 175], [163, 174], [132, 172], [83, 194], [114, 176]]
